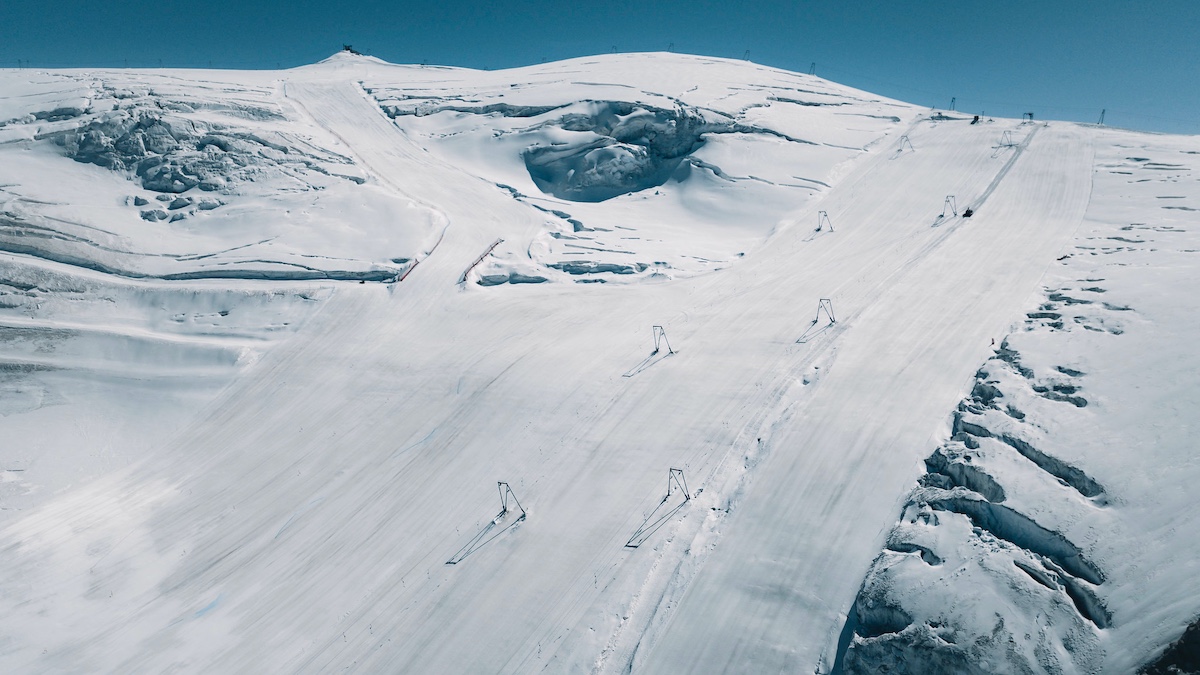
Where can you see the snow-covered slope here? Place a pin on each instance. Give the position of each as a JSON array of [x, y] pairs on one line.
[[270, 341], [1063, 502]]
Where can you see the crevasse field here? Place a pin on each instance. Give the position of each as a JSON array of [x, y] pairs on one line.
[[637, 363]]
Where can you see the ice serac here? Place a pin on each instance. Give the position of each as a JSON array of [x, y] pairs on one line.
[[631, 149]]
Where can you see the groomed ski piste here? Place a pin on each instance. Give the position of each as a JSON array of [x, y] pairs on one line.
[[644, 363]]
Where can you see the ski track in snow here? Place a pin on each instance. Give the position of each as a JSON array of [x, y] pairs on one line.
[[912, 345], [303, 518]]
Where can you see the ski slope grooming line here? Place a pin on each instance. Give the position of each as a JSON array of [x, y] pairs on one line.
[[1017, 150], [851, 439]]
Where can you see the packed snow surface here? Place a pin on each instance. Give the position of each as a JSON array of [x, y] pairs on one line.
[[638, 363]]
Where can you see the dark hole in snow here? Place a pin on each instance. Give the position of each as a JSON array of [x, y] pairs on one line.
[[1065, 472], [627, 148], [1013, 358], [1086, 602], [927, 555], [509, 278], [58, 114], [963, 475], [1059, 297], [877, 617], [1036, 574], [1181, 658], [592, 267], [985, 393], [1005, 523]]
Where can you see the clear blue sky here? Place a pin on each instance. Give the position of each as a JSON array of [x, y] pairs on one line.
[[1061, 59]]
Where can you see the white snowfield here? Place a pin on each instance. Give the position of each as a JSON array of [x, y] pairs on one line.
[[282, 469]]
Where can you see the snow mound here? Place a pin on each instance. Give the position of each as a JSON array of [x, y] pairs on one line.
[[347, 56]]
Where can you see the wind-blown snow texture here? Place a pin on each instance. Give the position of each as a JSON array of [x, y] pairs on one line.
[[269, 340]]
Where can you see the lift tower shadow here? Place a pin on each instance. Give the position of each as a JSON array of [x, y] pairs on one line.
[[660, 341], [504, 521], [816, 328], [676, 485]]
